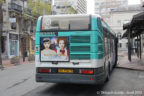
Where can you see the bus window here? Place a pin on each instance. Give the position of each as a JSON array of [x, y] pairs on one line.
[[99, 24], [79, 25], [65, 23]]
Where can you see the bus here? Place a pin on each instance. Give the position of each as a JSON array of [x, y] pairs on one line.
[[74, 49]]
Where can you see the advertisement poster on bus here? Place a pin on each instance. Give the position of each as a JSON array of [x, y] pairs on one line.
[[54, 49]]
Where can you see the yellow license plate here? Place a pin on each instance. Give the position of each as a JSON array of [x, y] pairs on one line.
[[65, 70]]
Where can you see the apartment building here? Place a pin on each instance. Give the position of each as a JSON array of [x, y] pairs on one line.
[[65, 6], [120, 16], [18, 32], [81, 6], [104, 7]]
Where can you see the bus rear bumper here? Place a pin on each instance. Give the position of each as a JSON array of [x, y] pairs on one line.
[[71, 78]]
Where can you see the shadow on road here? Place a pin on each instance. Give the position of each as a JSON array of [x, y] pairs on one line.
[[121, 81], [72, 90]]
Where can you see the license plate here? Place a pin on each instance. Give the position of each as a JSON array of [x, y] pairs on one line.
[[65, 70]]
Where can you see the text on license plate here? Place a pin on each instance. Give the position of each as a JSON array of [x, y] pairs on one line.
[[65, 70]]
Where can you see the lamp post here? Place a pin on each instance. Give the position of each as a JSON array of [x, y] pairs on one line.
[[23, 28], [22, 24], [1, 24]]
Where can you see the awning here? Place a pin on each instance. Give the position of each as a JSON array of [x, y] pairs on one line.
[[125, 34], [137, 22], [136, 25], [125, 26], [138, 17], [134, 29]]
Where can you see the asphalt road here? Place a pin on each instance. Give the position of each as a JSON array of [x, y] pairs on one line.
[[19, 81]]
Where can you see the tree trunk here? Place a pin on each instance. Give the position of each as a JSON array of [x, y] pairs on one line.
[[1, 26]]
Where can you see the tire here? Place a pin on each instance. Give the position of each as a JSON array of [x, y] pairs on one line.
[[115, 64], [108, 73]]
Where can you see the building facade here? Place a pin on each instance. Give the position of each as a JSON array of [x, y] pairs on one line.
[[69, 7], [62, 7], [120, 16], [17, 30], [81, 6], [104, 7]]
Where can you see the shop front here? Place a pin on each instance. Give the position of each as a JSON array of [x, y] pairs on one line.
[[31, 45], [13, 45]]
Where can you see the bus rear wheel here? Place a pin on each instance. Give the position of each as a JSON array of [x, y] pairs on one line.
[[108, 74]]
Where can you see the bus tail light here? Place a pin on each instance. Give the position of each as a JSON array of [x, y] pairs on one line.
[[43, 70], [85, 71], [92, 79]]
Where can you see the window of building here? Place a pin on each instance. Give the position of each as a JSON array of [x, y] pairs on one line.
[[33, 45], [96, 3], [25, 26], [13, 47], [13, 25], [58, 7], [119, 22]]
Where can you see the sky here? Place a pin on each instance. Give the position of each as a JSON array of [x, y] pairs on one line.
[[132, 2], [90, 5]]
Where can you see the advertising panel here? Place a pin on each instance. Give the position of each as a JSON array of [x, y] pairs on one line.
[[54, 49]]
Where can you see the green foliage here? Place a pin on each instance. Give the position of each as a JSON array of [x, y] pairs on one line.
[[71, 10], [25, 16], [39, 7], [1, 1]]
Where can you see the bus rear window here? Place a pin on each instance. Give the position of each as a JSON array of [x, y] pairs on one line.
[[65, 23]]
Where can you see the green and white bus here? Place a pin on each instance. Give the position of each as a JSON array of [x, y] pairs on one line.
[[74, 49]]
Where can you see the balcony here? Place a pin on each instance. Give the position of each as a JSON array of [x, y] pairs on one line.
[[15, 7], [4, 7]]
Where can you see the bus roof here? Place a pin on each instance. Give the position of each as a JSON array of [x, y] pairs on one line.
[[72, 15], [85, 16]]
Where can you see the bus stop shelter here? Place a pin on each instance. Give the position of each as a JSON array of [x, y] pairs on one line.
[[134, 29]]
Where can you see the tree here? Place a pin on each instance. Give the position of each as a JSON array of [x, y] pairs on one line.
[[71, 10], [39, 7], [1, 26]]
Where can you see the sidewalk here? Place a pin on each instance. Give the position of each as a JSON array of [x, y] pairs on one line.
[[135, 64], [123, 62], [6, 63]]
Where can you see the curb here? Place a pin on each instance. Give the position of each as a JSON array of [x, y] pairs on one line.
[[13, 65], [136, 69]]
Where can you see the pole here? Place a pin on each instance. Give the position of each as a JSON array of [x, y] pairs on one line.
[[1, 29], [23, 29], [137, 47], [140, 47], [129, 44]]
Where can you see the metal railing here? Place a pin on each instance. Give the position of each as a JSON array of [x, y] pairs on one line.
[[15, 7]]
